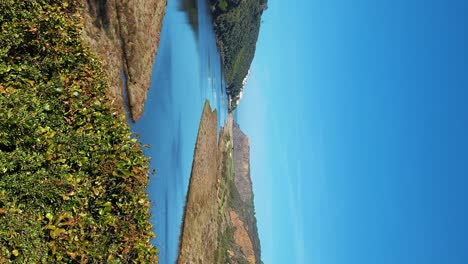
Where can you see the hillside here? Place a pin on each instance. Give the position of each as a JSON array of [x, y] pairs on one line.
[[237, 25], [72, 177], [238, 235], [125, 35], [219, 223]]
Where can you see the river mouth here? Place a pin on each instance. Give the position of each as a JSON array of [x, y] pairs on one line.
[[187, 71]]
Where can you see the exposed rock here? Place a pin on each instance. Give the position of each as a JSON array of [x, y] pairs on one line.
[[241, 200], [125, 35], [198, 240], [242, 163], [241, 237], [219, 220]]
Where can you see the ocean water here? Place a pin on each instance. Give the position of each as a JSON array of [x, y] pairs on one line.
[[187, 72]]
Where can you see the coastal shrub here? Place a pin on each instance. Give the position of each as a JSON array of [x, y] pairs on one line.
[[72, 177]]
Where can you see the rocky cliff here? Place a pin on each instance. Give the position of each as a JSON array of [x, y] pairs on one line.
[[198, 238], [125, 35], [237, 26], [242, 213], [72, 177], [242, 163]]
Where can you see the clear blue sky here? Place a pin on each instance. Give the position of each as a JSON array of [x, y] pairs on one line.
[[358, 117]]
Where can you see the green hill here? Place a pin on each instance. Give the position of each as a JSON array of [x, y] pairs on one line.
[[72, 178], [237, 25]]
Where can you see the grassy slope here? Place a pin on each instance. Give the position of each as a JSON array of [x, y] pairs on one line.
[[72, 179]]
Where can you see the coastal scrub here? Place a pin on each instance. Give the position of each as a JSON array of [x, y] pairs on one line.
[[72, 177]]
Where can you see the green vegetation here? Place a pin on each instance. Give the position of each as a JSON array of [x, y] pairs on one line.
[[225, 232], [230, 199], [226, 237], [72, 178], [237, 24], [226, 177]]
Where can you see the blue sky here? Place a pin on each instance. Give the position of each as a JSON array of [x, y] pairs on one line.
[[358, 119]]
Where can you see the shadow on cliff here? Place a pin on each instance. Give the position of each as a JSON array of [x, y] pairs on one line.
[[99, 9]]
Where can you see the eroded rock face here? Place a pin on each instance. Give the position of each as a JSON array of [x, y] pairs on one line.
[[125, 35], [244, 221], [242, 163], [241, 237], [219, 220], [198, 240]]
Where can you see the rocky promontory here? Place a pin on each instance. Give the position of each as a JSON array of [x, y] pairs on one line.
[[125, 35], [199, 232], [73, 177], [219, 223]]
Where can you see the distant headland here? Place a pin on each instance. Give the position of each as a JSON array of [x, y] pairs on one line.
[[237, 25], [219, 223], [125, 35], [73, 178]]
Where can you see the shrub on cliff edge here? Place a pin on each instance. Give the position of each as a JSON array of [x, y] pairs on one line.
[[72, 178]]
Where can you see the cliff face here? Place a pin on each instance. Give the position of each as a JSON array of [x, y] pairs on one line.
[[219, 220], [72, 177], [125, 35], [242, 163], [241, 239], [199, 233], [242, 214], [237, 26]]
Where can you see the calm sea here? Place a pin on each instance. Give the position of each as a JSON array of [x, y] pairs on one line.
[[187, 71]]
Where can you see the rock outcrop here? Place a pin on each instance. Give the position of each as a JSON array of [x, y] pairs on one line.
[[198, 240], [242, 238], [125, 34], [242, 163], [242, 213], [219, 220]]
